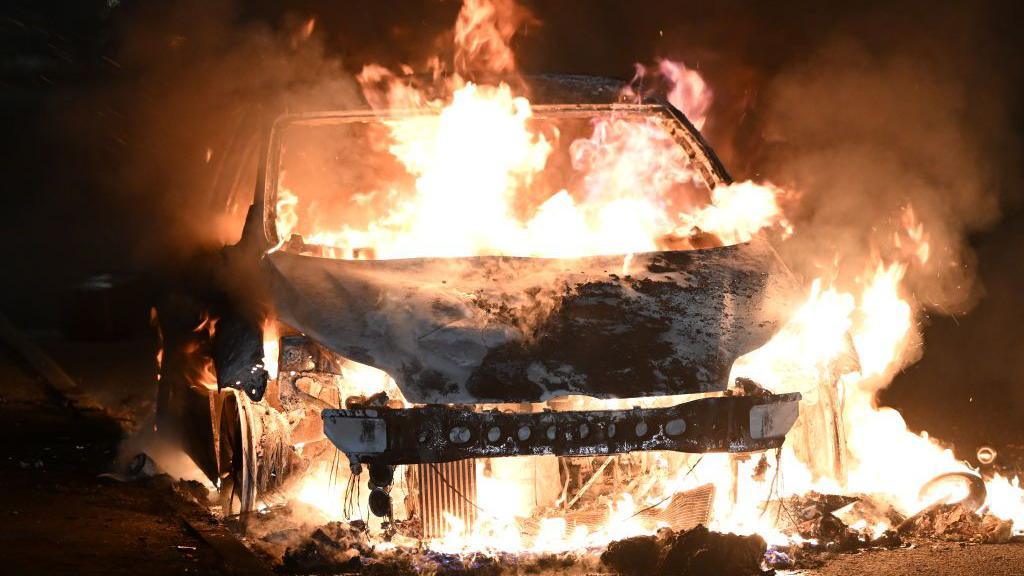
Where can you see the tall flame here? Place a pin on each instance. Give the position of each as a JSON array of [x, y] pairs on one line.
[[473, 159], [472, 153]]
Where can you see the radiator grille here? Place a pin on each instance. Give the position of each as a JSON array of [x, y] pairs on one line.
[[448, 488]]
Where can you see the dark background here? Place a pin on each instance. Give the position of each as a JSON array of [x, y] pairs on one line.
[[108, 106]]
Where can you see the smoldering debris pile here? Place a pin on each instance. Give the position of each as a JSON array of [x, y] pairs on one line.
[[839, 523], [297, 540], [343, 547], [340, 547], [847, 523], [333, 547], [346, 547], [695, 552], [957, 522], [827, 525], [831, 524]]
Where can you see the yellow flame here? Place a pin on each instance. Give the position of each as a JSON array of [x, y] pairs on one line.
[[472, 160], [470, 156], [271, 347]]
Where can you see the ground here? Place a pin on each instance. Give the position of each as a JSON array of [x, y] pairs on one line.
[[945, 559], [58, 517], [55, 516]]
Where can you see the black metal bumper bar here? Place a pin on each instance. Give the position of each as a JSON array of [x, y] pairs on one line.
[[444, 434]]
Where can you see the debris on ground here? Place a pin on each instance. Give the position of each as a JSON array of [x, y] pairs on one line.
[[139, 468], [333, 547], [294, 547], [819, 519], [867, 513], [957, 522], [634, 556], [823, 526], [345, 547], [694, 552]]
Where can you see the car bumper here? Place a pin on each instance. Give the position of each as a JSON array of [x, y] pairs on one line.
[[433, 434]]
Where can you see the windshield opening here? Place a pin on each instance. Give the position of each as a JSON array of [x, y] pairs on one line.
[[486, 178]]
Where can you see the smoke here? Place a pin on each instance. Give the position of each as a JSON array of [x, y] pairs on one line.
[[861, 137], [860, 109], [194, 87], [864, 113]]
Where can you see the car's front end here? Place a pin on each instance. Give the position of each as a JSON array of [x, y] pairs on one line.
[[501, 352]]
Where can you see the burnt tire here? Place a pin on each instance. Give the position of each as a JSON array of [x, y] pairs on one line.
[[237, 455]]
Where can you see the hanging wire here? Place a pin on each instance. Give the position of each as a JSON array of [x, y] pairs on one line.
[[773, 489], [351, 501], [332, 474], [776, 489]]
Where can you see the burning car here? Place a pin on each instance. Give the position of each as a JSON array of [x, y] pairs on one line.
[[430, 305]]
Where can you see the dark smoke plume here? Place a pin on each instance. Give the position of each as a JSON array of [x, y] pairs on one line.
[[196, 79]]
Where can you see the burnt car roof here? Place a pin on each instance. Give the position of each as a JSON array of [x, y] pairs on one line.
[[563, 88]]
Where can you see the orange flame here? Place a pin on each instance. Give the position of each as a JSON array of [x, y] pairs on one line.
[[472, 153], [473, 159]]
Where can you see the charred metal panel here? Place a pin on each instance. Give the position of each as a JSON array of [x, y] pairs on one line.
[[505, 329], [238, 356], [433, 434]]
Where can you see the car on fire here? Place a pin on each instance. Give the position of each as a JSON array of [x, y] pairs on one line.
[[467, 357]]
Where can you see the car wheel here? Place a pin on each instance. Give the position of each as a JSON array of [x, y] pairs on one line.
[[237, 455]]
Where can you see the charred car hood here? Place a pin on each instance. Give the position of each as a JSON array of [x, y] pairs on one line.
[[508, 329]]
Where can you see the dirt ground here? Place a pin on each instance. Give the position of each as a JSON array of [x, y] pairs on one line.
[[56, 517], [942, 559]]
